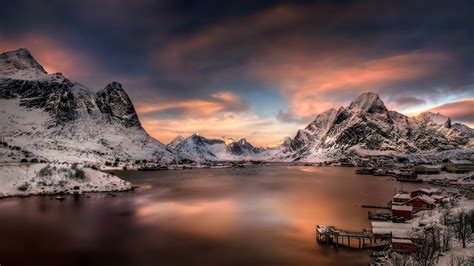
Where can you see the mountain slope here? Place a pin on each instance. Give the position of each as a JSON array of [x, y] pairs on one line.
[[366, 124], [57, 119]]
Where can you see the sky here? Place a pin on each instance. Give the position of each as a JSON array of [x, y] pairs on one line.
[[254, 69]]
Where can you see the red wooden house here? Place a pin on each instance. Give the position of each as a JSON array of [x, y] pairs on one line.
[[421, 203], [402, 212]]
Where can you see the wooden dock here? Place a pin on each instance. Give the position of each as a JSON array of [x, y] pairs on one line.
[[331, 236]]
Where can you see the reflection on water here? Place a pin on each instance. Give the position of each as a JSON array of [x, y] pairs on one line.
[[253, 216]]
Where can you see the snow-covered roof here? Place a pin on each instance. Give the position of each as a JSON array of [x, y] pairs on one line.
[[426, 199], [427, 190], [401, 241], [396, 229], [402, 208], [438, 197], [402, 196], [429, 166], [460, 161]]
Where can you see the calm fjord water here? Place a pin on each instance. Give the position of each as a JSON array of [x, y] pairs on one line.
[[261, 215]]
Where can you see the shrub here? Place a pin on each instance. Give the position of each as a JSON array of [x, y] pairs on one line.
[[80, 174], [45, 171], [77, 174], [24, 187]]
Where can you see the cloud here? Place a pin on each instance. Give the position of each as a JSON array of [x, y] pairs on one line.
[[174, 57], [218, 102], [288, 117], [460, 111], [407, 101], [314, 85]]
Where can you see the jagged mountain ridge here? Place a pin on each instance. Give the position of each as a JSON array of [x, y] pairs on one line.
[[72, 122], [199, 149], [367, 124]]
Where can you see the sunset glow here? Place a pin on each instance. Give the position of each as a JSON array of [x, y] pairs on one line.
[[242, 74]]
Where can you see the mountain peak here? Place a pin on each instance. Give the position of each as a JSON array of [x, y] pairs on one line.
[[114, 100], [368, 101], [227, 140], [175, 142], [20, 64], [435, 118], [114, 85]]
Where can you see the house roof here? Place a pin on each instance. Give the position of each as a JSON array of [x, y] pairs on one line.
[[429, 166], [460, 161], [427, 190], [438, 197], [401, 241], [396, 229], [426, 199], [402, 196], [402, 208]]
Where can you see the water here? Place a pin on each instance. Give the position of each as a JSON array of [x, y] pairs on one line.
[[262, 215]]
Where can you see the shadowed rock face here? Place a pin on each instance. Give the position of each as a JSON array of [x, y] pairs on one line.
[[114, 101], [242, 147], [21, 76], [57, 96], [77, 118], [367, 123]]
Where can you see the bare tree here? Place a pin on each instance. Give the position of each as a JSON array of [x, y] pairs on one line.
[[402, 259], [462, 228], [458, 261], [446, 238], [428, 245]]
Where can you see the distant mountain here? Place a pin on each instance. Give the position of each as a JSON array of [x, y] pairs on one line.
[[242, 147], [199, 149], [367, 125], [57, 119]]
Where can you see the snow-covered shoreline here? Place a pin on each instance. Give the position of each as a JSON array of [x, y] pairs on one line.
[[19, 180]]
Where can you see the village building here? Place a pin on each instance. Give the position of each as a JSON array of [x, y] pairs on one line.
[[403, 245], [402, 212], [424, 191], [401, 198], [396, 230], [426, 169], [422, 202], [459, 166]]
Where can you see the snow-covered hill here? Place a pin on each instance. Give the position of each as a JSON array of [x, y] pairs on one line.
[[366, 125], [51, 179], [60, 120]]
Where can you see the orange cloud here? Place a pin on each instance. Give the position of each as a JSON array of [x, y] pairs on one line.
[[219, 102], [460, 110]]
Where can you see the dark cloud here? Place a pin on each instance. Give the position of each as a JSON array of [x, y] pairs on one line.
[[408, 101], [286, 116]]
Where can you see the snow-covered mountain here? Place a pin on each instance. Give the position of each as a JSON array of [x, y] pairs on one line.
[[242, 147], [199, 149], [58, 119], [367, 125]]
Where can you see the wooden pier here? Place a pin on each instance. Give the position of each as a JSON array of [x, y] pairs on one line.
[[331, 236]]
